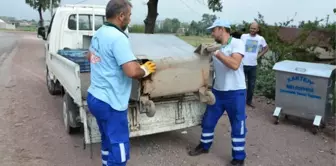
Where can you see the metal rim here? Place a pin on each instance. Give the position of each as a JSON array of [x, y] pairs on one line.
[[65, 115]]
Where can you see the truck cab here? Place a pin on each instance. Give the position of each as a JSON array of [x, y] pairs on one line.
[[64, 23]]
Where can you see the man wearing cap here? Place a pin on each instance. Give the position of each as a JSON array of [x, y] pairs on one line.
[[230, 90], [113, 66]]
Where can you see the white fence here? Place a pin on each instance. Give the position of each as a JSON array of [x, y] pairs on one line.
[[6, 26]]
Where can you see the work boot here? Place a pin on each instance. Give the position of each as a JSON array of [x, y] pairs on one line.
[[236, 162], [250, 105], [198, 151]]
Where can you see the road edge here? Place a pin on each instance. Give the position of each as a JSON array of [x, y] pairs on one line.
[[5, 68]]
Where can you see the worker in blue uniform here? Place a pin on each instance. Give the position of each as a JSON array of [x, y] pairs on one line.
[[230, 91], [113, 66]]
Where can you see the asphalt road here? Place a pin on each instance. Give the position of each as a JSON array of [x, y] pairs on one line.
[[32, 132], [7, 42]]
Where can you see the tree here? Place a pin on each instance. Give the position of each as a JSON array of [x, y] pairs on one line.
[[151, 16], [193, 28], [41, 6], [152, 13], [198, 28], [207, 20]]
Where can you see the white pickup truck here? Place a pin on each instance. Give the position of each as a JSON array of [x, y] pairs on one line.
[[168, 100]]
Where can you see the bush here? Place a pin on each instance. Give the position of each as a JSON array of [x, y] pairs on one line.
[[279, 51], [137, 29], [265, 83]]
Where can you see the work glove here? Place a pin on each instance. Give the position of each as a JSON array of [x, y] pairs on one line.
[[216, 52], [149, 67]]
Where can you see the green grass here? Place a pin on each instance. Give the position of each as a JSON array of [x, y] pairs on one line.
[[1, 29], [29, 29], [25, 29], [196, 40]]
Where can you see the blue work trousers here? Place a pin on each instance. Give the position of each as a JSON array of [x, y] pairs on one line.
[[113, 126], [234, 103]]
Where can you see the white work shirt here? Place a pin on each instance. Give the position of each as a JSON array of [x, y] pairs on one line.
[[252, 46], [226, 78]]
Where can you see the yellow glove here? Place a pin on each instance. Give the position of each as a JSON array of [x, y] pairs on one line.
[[149, 67]]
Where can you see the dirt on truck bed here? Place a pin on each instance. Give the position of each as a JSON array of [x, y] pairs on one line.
[[32, 132]]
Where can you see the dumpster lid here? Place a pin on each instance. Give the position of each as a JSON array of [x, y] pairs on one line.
[[306, 68], [159, 46]]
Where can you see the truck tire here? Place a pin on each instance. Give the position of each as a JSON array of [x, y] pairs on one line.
[[70, 114], [53, 88]]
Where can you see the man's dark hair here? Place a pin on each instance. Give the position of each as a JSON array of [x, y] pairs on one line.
[[115, 7], [236, 34], [228, 30]]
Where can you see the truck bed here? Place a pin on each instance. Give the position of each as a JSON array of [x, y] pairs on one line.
[[179, 69], [171, 91], [85, 83], [78, 56]]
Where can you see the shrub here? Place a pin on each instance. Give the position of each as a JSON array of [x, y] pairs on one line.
[[279, 51]]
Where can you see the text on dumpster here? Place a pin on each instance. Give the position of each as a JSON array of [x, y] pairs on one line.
[[305, 89]]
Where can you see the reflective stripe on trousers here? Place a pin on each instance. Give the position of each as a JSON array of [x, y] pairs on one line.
[[113, 127], [234, 103]]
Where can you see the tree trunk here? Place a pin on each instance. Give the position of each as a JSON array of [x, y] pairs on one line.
[[151, 16], [41, 17]]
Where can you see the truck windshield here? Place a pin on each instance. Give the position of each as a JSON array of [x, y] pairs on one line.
[[85, 22]]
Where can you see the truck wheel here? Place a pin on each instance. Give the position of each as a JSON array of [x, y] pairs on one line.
[[53, 88], [70, 113]]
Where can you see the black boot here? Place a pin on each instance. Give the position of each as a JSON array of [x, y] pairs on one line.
[[197, 151], [251, 105], [236, 162]]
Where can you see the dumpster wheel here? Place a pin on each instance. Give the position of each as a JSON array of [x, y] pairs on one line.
[[150, 108], [277, 119], [206, 96], [211, 98], [323, 125], [315, 130]]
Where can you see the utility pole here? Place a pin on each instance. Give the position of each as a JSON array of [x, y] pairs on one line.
[[51, 9], [327, 20]]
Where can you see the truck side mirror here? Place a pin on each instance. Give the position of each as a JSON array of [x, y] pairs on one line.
[[41, 32]]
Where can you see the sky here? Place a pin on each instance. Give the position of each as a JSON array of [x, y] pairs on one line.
[[187, 10]]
